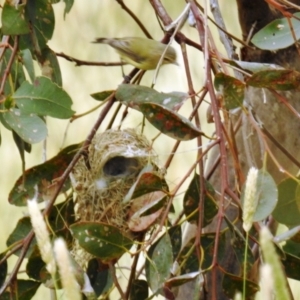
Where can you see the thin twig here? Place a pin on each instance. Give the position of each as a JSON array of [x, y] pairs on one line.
[[135, 18], [8, 67], [79, 62]]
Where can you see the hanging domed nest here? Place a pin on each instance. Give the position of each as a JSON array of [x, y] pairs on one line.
[[115, 159]]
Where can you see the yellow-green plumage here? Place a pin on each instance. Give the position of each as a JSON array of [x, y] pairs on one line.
[[142, 53]]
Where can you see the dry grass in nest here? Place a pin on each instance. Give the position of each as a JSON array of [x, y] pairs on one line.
[[116, 157]]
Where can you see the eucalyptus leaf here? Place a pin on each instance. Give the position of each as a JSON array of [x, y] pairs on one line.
[[169, 122], [102, 240], [277, 34], [288, 201], [134, 95], [191, 202], [41, 176], [31, 128], [159, 263], [14, 20], [282, 80], [28, 63], [45, 98], [232, 89]]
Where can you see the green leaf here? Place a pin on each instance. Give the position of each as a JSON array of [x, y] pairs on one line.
[[208, 244], [14, 19], [170, 123], [45, 98], [255, 66], [267, 196], [293, 248], [182, 279], [176, 239], [16, 76], [28, 63], [139, 290], [41, 18], [29, 127], [61, 216], [232, 89], [101, 240], [22, 147], [21, 290], [291, 265], [35, 265], [287, 202], [159, 263], [40, 176], [100, 277], [277, 34], [238, 244], [146, 183], [135, 95], [232, 283], [191, 202], [101, 96], [69, 4], [151, 207], [50, 66], [282, 80], [19, 233]]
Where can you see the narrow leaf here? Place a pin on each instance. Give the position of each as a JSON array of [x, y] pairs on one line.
[[169, 122], [28, 63], [191, 202], [22, 290], [182, 279], [134, 95], [159, 263], [101, 96], [50, 66], [255, 66], [282, 80]]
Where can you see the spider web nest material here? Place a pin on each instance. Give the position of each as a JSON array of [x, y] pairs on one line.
[[116, 157]]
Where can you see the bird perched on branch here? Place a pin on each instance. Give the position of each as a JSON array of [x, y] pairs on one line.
[[142, 53]]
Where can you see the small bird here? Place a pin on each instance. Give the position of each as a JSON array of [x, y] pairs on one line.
[[142, 53]]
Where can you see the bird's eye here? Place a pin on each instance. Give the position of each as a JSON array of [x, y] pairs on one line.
[[121, 166]]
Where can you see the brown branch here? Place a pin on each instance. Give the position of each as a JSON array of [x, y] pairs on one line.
[[161, 12], [9, 65], [79, 62], [219, 132], [135, 18]]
